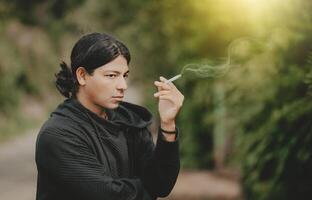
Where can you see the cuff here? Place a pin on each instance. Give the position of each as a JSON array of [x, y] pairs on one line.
[[167, 150], [162, 137]]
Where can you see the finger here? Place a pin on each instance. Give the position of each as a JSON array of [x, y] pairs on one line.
[[167, 98], [172, 99], [171, 85], [161, 93], [162, 85], [157, 85], [163, 79]]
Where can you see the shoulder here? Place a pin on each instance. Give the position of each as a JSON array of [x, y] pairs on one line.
[[60, 128]]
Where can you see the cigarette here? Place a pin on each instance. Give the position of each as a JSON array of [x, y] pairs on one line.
[[173, 78]]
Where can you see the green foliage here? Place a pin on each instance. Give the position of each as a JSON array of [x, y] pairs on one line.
[[197, 129], [274, 138], [34, 12], [267, 107], [308, 79], [10, 72], [261, 106]]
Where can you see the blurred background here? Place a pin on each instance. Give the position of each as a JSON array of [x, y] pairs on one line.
[[245, 135]]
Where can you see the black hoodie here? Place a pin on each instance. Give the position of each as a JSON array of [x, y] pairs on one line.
[[82, 156]]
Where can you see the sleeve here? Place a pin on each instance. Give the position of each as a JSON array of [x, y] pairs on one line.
[[160, 164], [69, 162]]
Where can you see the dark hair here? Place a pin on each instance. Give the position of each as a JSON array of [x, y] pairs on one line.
[[91, 51]]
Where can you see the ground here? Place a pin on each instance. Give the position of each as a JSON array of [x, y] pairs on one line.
[[18, 176], [17, 168]]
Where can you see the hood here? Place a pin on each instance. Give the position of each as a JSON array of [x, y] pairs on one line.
[[126, 114]]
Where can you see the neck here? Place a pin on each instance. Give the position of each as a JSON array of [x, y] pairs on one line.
[[91, 106]]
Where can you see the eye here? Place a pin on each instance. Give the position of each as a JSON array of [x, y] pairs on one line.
[[126, 75], [111, 75]]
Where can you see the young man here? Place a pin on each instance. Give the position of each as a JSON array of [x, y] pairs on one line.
[[94, 146]]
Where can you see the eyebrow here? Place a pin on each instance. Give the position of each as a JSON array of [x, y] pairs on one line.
[[117, 72]]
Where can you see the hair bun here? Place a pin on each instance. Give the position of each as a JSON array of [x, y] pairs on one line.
[[64, 80]]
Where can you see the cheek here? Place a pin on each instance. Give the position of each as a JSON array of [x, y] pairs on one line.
[[101, 89]]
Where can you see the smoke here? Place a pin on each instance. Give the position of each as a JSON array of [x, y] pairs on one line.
[[216, 71]]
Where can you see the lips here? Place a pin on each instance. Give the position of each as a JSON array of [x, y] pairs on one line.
[[118, 98]]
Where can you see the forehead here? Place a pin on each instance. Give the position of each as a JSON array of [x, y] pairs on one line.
[[118, 64]]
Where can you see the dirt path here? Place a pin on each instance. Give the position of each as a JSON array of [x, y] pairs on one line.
[[204, 185], [18, 176], [17, 168]]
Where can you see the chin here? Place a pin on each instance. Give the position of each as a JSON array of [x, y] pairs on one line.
[[113, 105]]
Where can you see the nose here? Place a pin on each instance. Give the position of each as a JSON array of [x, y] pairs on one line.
[[122, 84]]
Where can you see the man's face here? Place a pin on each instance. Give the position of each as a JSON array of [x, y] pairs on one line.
[[105, 88]]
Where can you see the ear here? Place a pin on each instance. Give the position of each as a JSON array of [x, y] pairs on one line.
[[81, 74]]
